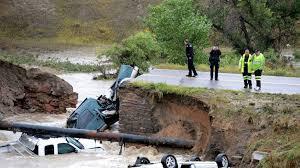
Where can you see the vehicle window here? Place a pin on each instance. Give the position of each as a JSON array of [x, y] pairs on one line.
[[188, 166], [49, 150], [36, 151], [85, 118], [74, 142], [65, 148]]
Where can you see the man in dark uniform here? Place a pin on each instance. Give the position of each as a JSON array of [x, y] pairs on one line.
[[214, 59], [190, 58]]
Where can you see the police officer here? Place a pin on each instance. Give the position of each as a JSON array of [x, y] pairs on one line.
[[214, 59], [190, 58], [245, 66], [258, 66]]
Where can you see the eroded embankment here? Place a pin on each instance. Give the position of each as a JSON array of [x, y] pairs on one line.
[[237, 123], [32, 90], [168, 115]]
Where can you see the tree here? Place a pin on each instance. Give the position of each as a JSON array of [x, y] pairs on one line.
[[174, 20], [140, 49], [255, 23]]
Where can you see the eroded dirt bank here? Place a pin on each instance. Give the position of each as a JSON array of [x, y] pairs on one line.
[[143, 112], [32, 90], [237, 123]]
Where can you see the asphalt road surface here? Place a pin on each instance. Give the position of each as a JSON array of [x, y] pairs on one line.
[[228, 81]]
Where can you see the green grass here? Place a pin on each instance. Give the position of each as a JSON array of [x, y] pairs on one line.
[[284, 149], [229, 64], [298, 35], [81, 32], [288, 158], [168, 89], [280, 135], [287, 71], [297, 54], [54, 64], [54, 44]]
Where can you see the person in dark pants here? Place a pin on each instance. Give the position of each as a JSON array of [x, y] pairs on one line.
[[245, 66], [214, 59], [190, 58]]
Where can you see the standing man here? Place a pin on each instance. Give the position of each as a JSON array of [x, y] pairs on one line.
[[214, 59], [245, 66], [190, 58], [258, 66]]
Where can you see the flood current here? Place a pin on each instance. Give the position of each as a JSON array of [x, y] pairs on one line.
[[107, 158]]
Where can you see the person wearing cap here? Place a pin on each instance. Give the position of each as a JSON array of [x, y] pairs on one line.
[[190, 58], [258, 66], [245, 66], [214, 59]]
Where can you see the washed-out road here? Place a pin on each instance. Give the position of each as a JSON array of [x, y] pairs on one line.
[[227, 81]]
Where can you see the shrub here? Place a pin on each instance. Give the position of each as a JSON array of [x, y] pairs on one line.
[[272, 58], [174, 20], [230, 58], [297, 54], [140, 49]]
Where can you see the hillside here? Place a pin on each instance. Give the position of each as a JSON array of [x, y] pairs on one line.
[[73, 20]]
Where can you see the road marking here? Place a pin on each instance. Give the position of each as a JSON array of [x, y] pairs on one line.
[[239, 81]]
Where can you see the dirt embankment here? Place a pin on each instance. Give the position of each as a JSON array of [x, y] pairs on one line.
[[143, 112], [32, 90], [236, 123]]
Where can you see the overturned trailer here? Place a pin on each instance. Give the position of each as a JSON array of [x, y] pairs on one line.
[[47, 131]]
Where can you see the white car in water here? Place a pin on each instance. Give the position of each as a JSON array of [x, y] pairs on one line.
[[170, 161], [31, 145]]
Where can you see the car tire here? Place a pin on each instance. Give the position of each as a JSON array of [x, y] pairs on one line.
[[195, 159], [222, 160], [142, 160], [169, 161]]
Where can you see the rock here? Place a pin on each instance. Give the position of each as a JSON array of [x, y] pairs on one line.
[[33, 91], [259, 155], [48, 108]]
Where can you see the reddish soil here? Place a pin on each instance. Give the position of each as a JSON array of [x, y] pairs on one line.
[[32, 90], [184, 118], [143, 112]]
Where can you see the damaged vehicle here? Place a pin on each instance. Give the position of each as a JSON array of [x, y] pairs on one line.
[[170, 161], [98, 114], [92, 114], [28, 145]]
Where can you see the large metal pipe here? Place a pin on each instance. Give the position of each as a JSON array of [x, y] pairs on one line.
[[88, 134]]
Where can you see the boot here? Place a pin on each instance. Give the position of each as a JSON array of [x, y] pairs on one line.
[[245, 84], [258, 85], [250, 84]]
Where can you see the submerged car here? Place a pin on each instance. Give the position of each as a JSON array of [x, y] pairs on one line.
[[98, 114], [91, 114], [170, 161], [33, 145]]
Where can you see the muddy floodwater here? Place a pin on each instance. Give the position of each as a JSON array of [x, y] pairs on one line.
[[109, 157], [86, 87]]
